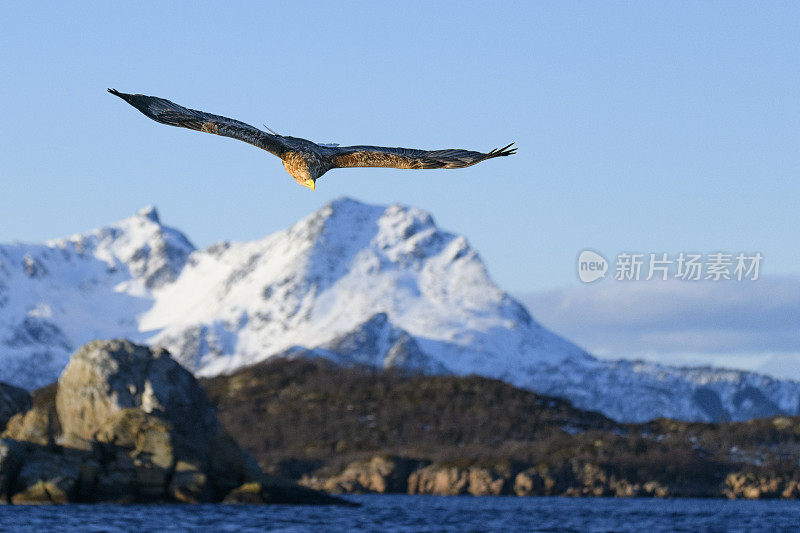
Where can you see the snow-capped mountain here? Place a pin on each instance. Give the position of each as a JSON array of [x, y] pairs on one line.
[[352, 282], [329, 275], [56, 296]]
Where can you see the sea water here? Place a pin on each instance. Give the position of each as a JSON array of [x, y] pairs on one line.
[[420, 513]]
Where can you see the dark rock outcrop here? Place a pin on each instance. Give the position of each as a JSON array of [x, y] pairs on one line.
[[273, 490], [10, 461], [13, 400]]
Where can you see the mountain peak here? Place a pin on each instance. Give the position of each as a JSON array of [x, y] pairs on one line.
[[351, 221], [348, 208], [344, 202], [149, 212], [153, 253]]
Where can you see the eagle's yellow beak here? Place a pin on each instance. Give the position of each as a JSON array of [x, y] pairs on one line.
[[313, 184]]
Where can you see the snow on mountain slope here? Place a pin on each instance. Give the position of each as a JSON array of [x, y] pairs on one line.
[[57, 296], [351, 282], [323, 277]]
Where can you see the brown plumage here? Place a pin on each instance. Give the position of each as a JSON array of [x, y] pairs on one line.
[[304, 160]]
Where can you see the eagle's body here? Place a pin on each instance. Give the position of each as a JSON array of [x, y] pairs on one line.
[[305, 160]]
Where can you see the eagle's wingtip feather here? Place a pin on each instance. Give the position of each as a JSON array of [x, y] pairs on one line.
[[506, 150]]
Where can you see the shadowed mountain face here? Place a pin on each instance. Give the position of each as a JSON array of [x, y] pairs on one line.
[[314, 408], [352, 282]]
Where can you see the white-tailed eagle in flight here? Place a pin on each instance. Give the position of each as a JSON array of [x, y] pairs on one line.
[[304, 160]]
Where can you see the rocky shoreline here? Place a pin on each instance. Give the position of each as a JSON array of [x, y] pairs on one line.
[[127, 424], [397, 475]]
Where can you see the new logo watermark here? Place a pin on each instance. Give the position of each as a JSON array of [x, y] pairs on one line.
[[684, 266], [591, 266]]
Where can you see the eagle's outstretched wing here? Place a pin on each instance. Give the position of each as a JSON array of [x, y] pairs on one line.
[[378, 156], [167, 112]]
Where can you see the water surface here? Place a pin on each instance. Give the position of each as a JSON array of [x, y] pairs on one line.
[[420, 513]]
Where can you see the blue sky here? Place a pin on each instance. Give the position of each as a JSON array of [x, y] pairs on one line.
[[656, 127]]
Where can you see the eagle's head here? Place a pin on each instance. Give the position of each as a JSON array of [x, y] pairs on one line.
[[308, 182], [297, 167], [305, 179]]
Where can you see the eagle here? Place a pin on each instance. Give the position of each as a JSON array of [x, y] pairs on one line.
[[304, 160]]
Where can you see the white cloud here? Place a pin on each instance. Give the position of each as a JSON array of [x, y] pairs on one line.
[[743, 324]]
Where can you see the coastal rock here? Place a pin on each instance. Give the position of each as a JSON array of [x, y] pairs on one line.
[[106, 377], [273, 490], [533, 482], [127, 424], [381, 474], [53, 477], [791, 490], [489, 481], [34, 426], [435, 479], [753, 487], [40, 423], [249, 493], [130, 398], [451, 480], [10, 462], [123, 395], [494, 478], [228, 466], [189, 484]]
